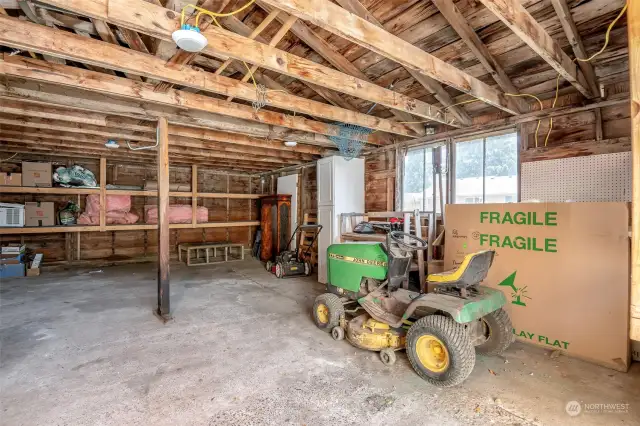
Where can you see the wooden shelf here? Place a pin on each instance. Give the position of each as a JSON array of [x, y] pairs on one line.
[[58, 191], [132, 192], [134, 227]]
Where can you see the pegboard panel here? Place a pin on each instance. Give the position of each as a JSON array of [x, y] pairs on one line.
[[605, 177]]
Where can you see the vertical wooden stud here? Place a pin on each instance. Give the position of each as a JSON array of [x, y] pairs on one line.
[[103, 194], [633, 22], [598, 123], [391, 190], [163, 310], [194, 195]]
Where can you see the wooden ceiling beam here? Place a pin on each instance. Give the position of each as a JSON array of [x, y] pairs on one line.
[[93, 147], [480, 51], [42, 39], [62, 126], [21, 148], [105, 33], [573, 35], [357, 8], [161, 23], [89, 80], [350, 26], [23, 108], [520, 21], [8, 127], [129, 109]]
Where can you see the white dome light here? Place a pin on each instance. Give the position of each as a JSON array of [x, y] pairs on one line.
[[290, 144], [112, 144], [189, 38]]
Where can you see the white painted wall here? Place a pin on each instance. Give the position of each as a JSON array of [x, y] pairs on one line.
[[289, 185]]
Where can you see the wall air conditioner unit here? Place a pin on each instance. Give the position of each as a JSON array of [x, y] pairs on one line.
[[11, 215]]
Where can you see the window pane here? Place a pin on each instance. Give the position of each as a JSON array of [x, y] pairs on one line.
[[469, 163], [412, 187], [501, 172], [428, 190]]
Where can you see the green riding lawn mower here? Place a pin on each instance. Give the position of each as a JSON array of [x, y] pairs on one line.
[[440, 330]]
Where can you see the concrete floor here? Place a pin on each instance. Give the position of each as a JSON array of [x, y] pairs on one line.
[[82, 348]]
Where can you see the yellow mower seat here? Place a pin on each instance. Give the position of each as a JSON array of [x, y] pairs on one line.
[[473, 269]]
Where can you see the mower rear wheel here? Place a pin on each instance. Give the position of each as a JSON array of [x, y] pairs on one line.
[[269, 265], [498, 331], [327, 310], [279, 270], [388, 356], [308, 269], [440, 350]]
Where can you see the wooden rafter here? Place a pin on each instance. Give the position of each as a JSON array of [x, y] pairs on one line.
[[633, 19], [114, 104], [237, 25], [42, 39], [573, 35], [520, 21], [286, 25], [335, 19], [160, 23], [480, 50], [355, 7]]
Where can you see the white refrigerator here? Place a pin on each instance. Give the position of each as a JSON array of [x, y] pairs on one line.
[[340, 190]]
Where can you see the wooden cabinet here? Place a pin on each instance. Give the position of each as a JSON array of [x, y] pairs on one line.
[[275, 222]]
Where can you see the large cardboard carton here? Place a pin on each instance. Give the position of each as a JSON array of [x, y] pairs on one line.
[[36, 174], [10, 179], [39, 214], [564, 268]]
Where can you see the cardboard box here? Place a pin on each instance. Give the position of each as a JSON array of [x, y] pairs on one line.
[[11, 259], [10, 179], [12, 271], [36, 174], [564, 268], [13, 248], [39, 214], [33, 272]]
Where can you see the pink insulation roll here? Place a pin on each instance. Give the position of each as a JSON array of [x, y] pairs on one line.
[[113, 218], [178, 213], [115, 203]]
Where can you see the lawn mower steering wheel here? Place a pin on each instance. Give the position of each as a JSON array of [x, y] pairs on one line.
[[414, 243]]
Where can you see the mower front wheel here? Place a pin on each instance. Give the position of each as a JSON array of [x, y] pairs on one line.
[[337, 333], [327, 310], [308, 269], [269, 265], [388, 356], [440, 350]]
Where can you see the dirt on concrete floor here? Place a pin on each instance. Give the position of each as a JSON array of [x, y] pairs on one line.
[[83, 348]]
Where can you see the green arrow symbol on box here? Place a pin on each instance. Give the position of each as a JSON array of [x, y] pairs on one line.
[[509, 281]]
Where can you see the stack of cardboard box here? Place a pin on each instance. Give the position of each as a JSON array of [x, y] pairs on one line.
[[33, 175], [12, 261]]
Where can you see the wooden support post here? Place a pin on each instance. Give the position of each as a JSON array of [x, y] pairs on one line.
[[163, 310], [194, 195], [391, 190], [420, 253], [598, 123], [633, 21], [103, 193]]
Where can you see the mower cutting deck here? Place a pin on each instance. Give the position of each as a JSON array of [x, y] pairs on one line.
[[441, 331]]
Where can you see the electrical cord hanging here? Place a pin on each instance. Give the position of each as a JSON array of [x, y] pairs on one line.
[[607, 37]]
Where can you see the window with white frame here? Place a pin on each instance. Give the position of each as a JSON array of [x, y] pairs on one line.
[[422, 170], [486, 170]]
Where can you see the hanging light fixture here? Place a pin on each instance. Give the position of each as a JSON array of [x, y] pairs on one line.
[[112, 144], [290, 144], [189, 38]]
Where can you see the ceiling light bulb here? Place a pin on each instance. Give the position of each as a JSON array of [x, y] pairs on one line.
[[112, 144], [189, 38], [290, 143]]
